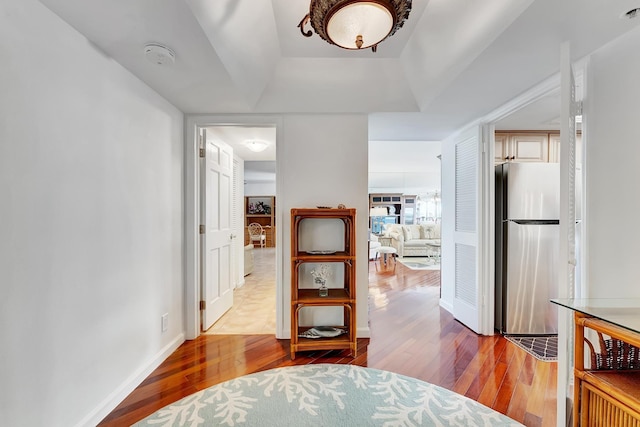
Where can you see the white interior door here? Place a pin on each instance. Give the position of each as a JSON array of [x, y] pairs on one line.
[[216, 185], [467, 298]]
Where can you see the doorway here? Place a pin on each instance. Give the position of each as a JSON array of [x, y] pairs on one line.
[[229, 124], [254, 302], [405, 191]]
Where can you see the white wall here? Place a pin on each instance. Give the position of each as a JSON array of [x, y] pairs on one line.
[[325, 167], [409, 167], [612, 174], [91, 224], [260, 189]]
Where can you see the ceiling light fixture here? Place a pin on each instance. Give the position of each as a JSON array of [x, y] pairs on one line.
[[355, 24], [257, 146]]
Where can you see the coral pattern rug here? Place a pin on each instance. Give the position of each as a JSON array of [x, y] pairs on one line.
[[326, 395]]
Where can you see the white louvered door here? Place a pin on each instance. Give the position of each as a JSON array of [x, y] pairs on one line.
[[467, 296]]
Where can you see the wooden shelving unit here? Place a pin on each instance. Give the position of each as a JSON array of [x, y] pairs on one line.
[[401, 209], [304, 253]]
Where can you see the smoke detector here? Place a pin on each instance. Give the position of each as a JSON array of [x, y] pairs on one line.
[[159, 54]]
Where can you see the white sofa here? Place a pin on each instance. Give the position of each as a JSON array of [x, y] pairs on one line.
[[374, 244], [414, 240]]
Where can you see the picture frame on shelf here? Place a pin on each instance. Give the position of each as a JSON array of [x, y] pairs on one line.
[[259, 207]]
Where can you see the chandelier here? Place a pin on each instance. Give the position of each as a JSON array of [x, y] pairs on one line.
[[355, 24]]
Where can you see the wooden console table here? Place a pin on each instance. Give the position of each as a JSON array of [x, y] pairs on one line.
[[607, 376]]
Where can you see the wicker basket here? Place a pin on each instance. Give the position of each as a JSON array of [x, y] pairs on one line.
[[613, 354]]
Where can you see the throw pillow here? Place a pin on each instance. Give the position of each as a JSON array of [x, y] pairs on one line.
[[407, 233], [426, 231], [436, 231]]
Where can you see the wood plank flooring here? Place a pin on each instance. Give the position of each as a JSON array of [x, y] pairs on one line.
[[410, 335]]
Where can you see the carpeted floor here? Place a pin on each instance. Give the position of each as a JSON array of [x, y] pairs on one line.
[[543, 347], [326, 395], [419, 263]]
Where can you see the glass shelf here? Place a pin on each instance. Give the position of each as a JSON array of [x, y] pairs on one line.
[[624, 312]]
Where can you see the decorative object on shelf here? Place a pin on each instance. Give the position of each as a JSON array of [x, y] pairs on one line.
[[320, 276], [323, 207], [355, 24], [319, 252], [322, 332], [260, 208], [341, 206], [323, 291]]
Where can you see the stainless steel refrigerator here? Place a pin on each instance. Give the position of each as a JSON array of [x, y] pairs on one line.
[[527, 247]]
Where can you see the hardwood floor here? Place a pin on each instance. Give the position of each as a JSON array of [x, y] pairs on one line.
[[410, 335]]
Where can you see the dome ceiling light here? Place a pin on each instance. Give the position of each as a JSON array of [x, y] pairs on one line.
[[257, 145], [355, 24]]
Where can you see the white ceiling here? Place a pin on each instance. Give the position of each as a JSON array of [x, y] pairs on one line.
[[452, 62]]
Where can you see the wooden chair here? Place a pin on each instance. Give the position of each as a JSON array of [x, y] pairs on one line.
[[256, 234]]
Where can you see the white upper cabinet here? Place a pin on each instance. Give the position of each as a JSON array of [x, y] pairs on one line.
[[521, 147], [554, 148]]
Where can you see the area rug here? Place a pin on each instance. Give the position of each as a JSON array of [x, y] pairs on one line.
[[543, 347], [326, 395], [419, 263]]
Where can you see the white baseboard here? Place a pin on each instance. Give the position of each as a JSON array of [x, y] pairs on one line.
[[115, 398], [363, 332], [446, 305]]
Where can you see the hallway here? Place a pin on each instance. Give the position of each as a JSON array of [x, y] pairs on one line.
[[254, 303]]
